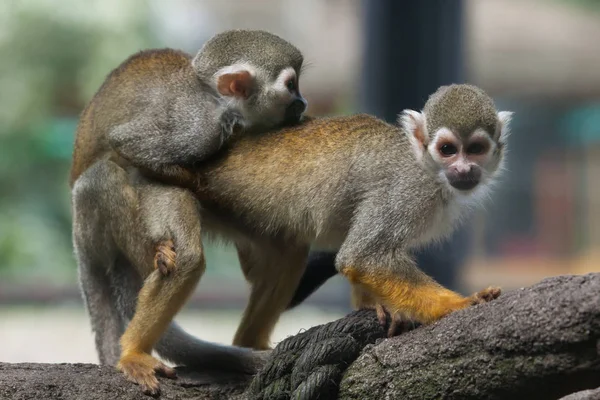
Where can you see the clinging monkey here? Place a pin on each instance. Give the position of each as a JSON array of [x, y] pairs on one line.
[[163, 111]]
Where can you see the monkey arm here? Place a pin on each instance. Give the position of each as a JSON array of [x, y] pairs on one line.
[[160, 154], [375, 258], [406, 290]]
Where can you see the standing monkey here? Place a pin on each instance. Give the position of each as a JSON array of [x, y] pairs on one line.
[[372, 190], [161, 112]]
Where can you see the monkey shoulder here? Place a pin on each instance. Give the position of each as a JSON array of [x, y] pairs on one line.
[[150, 68], [154, 60]]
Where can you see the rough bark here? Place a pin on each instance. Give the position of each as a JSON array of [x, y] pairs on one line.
[[536, 343], [95, 382], [542, 342]]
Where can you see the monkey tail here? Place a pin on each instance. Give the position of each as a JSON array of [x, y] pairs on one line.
[[320, 267], [208, 362], [217, 362]]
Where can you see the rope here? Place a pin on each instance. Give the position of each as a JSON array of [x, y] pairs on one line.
[[310, 365]]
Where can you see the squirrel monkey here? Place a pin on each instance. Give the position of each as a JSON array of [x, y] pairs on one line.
[[367, 188], [163, 111]]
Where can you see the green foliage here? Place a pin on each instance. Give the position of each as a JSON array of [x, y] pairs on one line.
[[54, 59], [587, 5]]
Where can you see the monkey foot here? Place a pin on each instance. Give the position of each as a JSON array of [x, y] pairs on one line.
[[485, 295], [164, 258], [397, 324], [142, 368]]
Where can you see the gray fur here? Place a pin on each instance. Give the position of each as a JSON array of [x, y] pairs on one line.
[[256, 47], [462, 108], [106, 230], [158, 111], [264, 51], [181, 119], [360, 188], [369, 197], [176, 345]]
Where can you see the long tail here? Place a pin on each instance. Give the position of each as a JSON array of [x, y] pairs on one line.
[[212, 361], [320, 267]]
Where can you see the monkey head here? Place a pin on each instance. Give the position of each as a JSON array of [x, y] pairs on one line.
[[256, 74], [459, 136]]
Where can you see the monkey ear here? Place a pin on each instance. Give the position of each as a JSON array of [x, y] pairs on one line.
[[503, 129], [236, 84], [413, 124]]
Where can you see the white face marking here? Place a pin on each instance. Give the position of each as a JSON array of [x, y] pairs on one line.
[[483, 137], [460, 203], [462, 160], [285, 75], [440, 135]]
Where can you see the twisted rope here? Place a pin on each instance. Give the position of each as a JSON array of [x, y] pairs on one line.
[[310, 365]]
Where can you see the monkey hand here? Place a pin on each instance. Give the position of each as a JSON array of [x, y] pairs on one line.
[[485, 295], [397, 324], [141, 368], [164, 258]]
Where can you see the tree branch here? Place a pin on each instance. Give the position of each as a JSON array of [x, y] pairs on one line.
[[541, 342]]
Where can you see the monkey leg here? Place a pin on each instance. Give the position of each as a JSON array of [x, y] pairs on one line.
[[105, 320], [173, 213], [118, 221], [96, 198], [402, 288], [274, 274]]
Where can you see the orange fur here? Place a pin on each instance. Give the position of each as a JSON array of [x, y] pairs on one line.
[[141, 368], [158, 301], [361, 298], [425, 303]]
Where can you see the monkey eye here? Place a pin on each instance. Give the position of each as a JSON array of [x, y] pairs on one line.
[[291, 85], [448, 149], [475, 148]]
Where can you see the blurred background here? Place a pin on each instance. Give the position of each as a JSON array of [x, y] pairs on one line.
[[538, 58]]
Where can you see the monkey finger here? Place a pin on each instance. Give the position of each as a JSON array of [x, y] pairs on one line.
[[165, 371], [146, 379], [486, 295], [149, 390], [164, 259], [400, 325], [397, 324], [381, 315], [159, 264]]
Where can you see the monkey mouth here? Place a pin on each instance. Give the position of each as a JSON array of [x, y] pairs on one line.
[[292, 119], [294, 112], [464, 184]]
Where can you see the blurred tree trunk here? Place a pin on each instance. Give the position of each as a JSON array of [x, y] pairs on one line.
[[411, 48]]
